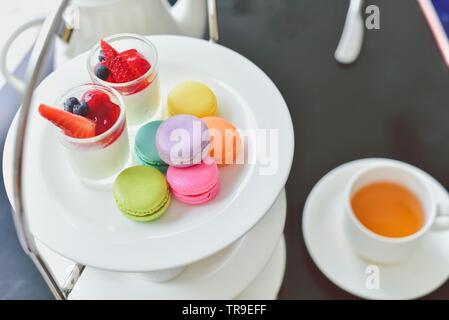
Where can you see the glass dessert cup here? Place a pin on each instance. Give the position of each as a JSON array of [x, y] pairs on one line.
[[142, 95], [97, 160]]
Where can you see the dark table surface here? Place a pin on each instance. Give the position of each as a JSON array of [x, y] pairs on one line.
[[393, 102]]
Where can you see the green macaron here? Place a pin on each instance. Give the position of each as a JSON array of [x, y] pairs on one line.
[[141, 193], [145, 147]]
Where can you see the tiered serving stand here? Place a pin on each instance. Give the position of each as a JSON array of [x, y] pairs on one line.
[[229, 248]]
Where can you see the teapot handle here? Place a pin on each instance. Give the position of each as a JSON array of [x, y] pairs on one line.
[[14, 81], [213, 24]]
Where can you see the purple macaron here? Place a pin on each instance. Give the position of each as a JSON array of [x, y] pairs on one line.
[[182, 140]]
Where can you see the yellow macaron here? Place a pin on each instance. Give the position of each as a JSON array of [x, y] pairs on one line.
[[192, 97]]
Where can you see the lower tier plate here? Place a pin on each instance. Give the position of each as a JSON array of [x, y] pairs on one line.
[[224, 275], [267, 284]]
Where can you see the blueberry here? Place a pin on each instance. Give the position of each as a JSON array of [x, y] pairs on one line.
[[102, 72], [101, 56], [81, 109], [70, 103]]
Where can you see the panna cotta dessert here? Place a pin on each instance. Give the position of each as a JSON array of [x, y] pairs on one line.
[[92, 128], [128, 64]]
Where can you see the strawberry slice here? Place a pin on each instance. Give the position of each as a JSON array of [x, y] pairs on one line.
[[121, 70], [108, 52], [72, 124]]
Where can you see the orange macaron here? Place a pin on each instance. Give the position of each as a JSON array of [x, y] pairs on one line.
[[224, 140]]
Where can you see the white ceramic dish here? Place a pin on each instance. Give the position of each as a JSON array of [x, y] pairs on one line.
[[223, 275], [322, 223], [267, 285], [84, 225]]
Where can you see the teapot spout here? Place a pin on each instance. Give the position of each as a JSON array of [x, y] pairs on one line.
[[190, 16]]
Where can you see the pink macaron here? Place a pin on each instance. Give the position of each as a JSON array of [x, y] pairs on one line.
[[196, 184]]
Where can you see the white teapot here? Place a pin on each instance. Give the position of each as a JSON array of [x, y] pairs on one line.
[[86, 21]]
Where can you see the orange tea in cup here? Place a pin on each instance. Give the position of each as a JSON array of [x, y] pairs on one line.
[[388, 209]]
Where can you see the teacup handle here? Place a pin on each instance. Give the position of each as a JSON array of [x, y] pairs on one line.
[[441, 219]]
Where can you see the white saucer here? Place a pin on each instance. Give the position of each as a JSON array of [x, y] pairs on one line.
[[325, 240], [223, 275], [85, 225]]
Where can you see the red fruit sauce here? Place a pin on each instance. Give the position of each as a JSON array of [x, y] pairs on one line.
[[136, 61], [102, 110]]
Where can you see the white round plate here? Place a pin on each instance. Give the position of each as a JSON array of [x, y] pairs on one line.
[[267, 284], [325, 240], [209, 278], [84, 225]]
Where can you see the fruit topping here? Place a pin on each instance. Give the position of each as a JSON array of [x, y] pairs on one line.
[[101, 56], [121, 70], [129, 52], [120, 67], [136, 61], [92, 116], [81, 109], [101, 110], [101, 71], [72, 124], [109, 52], [70, 103], [73, 105]]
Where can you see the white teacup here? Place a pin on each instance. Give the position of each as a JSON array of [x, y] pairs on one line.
[[382, 249]]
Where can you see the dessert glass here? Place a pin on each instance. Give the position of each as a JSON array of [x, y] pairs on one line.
[[142, 95], [97, 160]]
